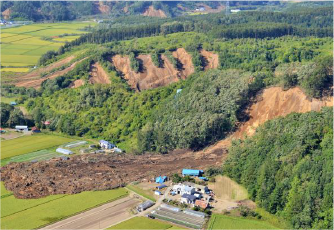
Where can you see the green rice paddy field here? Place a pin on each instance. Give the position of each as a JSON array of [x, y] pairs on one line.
[[34, 213], [144, 223], [22, 46], [29, 144], [219, 221]]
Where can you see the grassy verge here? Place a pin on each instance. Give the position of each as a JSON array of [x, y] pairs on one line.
[[140, 191]]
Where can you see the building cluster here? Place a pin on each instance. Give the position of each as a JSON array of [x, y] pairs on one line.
[[192, 194]]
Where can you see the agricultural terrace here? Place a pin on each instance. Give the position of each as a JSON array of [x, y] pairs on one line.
[[44, 211], [28, 144], [219, 221], [144, 223], [22, 46]]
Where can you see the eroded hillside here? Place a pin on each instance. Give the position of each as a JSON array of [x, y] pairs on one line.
[[152, 76], [151, 12]]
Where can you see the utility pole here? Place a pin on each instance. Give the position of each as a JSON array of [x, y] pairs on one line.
[[227, 8]]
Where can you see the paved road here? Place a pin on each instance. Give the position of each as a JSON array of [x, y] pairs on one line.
[[99, 218]]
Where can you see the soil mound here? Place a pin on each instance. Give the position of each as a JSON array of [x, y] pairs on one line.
[[212, 59], [151, 12], [98, 75], [94, 172]]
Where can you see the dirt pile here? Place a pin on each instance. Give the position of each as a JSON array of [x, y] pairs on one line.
[[151, 12], [95, 172], [98, 75], [151, 76], [212, 59]]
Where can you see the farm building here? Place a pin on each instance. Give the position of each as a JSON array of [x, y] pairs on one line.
[[194, 213], [183, 189], [145, 205], [64, 151], [117, 150], [188, 199], [160, 179], [201, 203], [192, 172], [198, 188], [235, 10], [21, 128], [158, 193], [161, 186], [13, 103], [106, 144]]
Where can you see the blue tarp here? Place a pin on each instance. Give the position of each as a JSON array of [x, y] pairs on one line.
[[203, 178], [160, 179]]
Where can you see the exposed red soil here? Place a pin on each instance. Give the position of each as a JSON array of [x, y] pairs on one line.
[[6, 13], [98, 75], [212, 59], [77, 83], [95, 172], [186, 60], [37, 82], [151, 12], [101, 8], [151, 76], [272, 103]]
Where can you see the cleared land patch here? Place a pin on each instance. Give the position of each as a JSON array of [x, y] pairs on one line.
[[27, 144], [219, 221], [47, 210]]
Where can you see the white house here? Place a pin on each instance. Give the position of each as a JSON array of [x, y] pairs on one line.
[[235, 10], [183, 189], [188, 199], [106, 144]]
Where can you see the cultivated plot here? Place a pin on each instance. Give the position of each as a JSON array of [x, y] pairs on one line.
[[27, 144], [44, 211]]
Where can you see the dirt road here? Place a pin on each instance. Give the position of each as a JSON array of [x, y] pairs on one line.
[[99, 218]]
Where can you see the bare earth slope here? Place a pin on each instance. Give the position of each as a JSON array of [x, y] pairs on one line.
[[211, 58], [186, 60], [151, 12], [98, 75], [272, 103]]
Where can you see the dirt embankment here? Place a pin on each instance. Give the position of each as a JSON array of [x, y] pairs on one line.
[[36, 83], [212, 59], [6, 14], [272, 103], [95, 172], [186, 60], [98, 75], [151, 12]]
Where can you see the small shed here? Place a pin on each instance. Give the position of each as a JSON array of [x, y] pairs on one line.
[[192, 172], [13, 103], [64, 151], [35, 130], [161, 186], [145, 205], [158, 193], [117, 150], [21, 128]]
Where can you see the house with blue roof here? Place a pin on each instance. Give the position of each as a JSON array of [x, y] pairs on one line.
[[160, 179]]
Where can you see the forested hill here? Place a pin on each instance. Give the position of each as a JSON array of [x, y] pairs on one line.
[[287, 168], [70, 9]]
